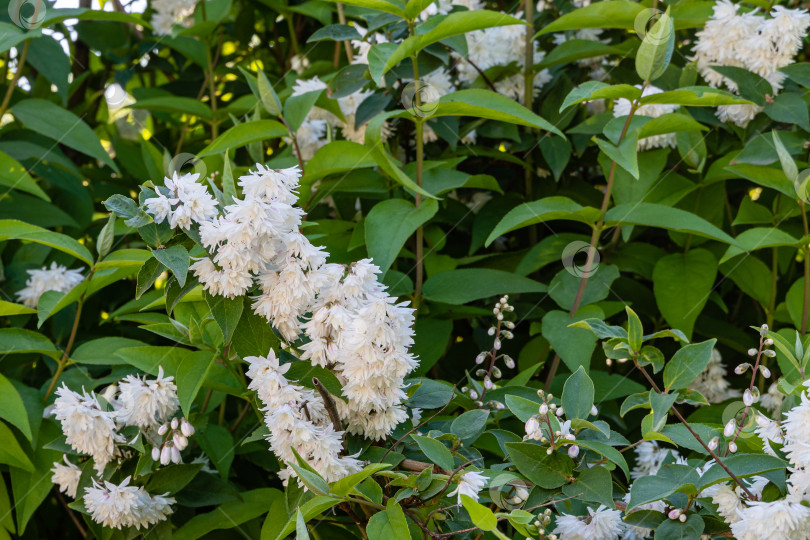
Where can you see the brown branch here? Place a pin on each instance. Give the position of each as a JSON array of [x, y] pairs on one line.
[[329, 404]]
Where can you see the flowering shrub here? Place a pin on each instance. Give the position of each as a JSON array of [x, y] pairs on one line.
[[389, 270]]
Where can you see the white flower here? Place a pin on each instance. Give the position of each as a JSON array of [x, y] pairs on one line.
[[797, 433], [146, 403], [600, 524], [87, 428], [772, 399], [470, 484], [122, 505], [66, 476], [768, 431], [622, 108], [649, 458], [416, 416], [170, 12], [783, 519], [56, 278], [194, 203]]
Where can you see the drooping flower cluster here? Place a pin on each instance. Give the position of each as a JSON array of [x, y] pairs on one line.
[[93, 429], [752, 41], [623, 107], [183, 201], [600, 524], [548, 426], [298, 420], [122, 505], [170, 12], [787, 518], [56, 278], [356, 329], [364, 335]]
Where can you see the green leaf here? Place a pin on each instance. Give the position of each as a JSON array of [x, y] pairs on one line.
[[598, 90], [759, 238], [743, 466], [390, 223], [176, 259], [682, 284], [273, 528], [335, 32], [546, 209], [607, 14], [470, 425], [18, 340], [190, 375], [346, 484], [172, 104], [253, 335], [788, 165], [468, 284], [593, 484], [11, 453], [253, 504], [267, 95], [435, 451], [481, 516], [574, 343], [577, 396], [218, 445], [12, 408], [660, 404], [655, 52], [11, 229], [226, 311], [459, 22], [687, 364], [521, 407], [549, 471], [337, 157], [608, 451], [303, 373], [13, 175], [172, 478], [694, 96], [301, 532], [673, 529], [388, 6], [625, 155], [491, 105], [665, 217], [106, 237], [61, 125], [749, 85], [12, 308], [244, 134], [388, 524]]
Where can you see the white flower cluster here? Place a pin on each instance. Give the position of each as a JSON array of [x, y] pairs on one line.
[[751, 41], [364, 335], [123, 505], [712, 382], [56, 278], [470, 484], [92, 429], [356, 328], [600, 524], [622, 108], [783, 519], [187, 202], [297, 419], [170, 12]]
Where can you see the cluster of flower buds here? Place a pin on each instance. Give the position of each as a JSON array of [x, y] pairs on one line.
[[543, 520], [175, 436], [538, 427], [489, 371], [677, 513], [751, 394], [729, 432]]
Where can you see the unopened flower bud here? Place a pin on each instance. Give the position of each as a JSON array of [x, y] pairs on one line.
[[742, 368], [765, 372], [176, 455], [179, 441], [499, 316], [763, 330], [573, 451], [559, 412], [496, 344], [174, 423], [752, 352], [675, 513], [506, 334], [543, 408], [509, 361], [768, 342], [713, 443], [165, 455], [730, 428], [186, 428], [732, 447], [473, 394], [496, 372], [480, 372], [769, 353], [155, 453], [594, 410], [488, 384], [163, 429], [522, 493], [480, 358], [509, 324], [682, 518], [748, 397]]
